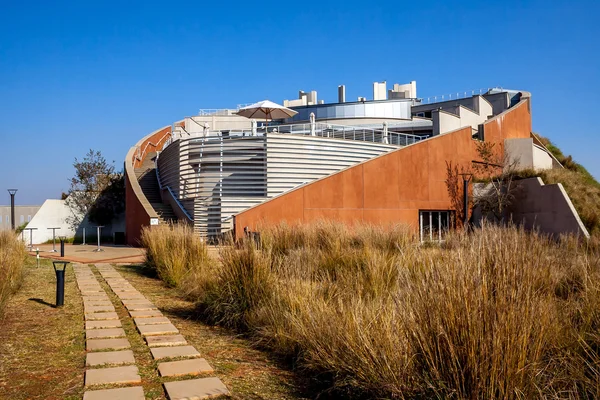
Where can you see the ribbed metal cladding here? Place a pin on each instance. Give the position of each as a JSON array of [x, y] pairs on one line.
[[216, 177]]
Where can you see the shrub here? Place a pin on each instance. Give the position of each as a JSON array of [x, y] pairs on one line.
[[173, 251], [496, 313], [12, 258]]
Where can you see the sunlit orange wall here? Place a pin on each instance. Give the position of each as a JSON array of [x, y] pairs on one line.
[[136, 216], [389, 189]]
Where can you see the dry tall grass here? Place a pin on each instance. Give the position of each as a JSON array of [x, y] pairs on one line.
[[496, 314], [12, 258], [174, 252]]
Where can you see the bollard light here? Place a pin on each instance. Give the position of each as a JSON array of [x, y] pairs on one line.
[[37, 256], [62, 245], [60, 281]]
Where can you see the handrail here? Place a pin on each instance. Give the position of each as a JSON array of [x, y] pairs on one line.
[[140, 156], [168, 188], [320, 129]]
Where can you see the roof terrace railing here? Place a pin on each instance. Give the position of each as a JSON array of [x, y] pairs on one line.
[[325, 131], [455, 96]]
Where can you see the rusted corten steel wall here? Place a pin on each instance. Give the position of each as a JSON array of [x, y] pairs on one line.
[[388, 189], [138, 210]]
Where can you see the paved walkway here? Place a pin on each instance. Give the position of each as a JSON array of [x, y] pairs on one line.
[[110, 362], [88, 254]]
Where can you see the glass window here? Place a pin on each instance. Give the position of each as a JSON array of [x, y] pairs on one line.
[[29, 218], [433, 225], [22, 219]]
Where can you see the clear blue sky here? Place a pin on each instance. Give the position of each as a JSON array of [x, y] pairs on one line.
[[102, 74]]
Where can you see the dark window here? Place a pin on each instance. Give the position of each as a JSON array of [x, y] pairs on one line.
[[433, 225]]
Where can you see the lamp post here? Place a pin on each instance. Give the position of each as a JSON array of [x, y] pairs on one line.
[[466, 178], [12, 207]]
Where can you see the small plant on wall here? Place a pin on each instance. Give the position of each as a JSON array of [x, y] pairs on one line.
[[454, 185]]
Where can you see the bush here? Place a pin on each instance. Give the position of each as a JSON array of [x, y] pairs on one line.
[[173, 251], [497, 313], [12, 258]]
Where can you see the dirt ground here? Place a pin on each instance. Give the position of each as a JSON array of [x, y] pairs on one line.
[[42, 348]]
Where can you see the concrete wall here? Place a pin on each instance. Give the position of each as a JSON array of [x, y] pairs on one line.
[[22, 214], [194, 125], [452, 117], [388, 189], [52, 214], [444, 122], [526, 155], [545, 207]]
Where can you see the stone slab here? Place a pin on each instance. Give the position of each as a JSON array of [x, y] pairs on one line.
[[173, 352], [104, 333], [158, 329], [91, 291], [184, 367], [97, 303], [131, 296], [101, 316], [145, 313], [116, 375], [136, 301], [141, 307], [124, 289], [151, 321], [167, 340], [107, 344], [111, 323], [202, 388], [109, 358], [129, 393], [95, 309], [95, 298]]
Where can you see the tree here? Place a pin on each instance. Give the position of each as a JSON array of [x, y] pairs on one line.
[[498, 171], [454, 186], [96, 190]]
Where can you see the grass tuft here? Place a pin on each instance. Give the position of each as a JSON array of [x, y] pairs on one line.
[[174, 252], [12, 258]]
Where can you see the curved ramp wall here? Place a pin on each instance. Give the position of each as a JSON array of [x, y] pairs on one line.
[[388, 189], [138, 211]]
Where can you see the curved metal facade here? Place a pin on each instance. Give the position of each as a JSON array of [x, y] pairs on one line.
[[215, 177]]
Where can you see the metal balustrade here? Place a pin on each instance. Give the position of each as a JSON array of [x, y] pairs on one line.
[[357, 133]]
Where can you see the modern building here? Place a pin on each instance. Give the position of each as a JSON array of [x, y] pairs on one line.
[[23, 214], [380, 161]]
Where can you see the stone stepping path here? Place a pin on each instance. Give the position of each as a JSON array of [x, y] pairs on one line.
[[184, 367], [105, 341], [195, 389], [115, 375], [164, 342], [109, 358], [130, 393]]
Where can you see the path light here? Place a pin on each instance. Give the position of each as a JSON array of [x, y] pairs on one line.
[[60, 281], [62, 239]]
